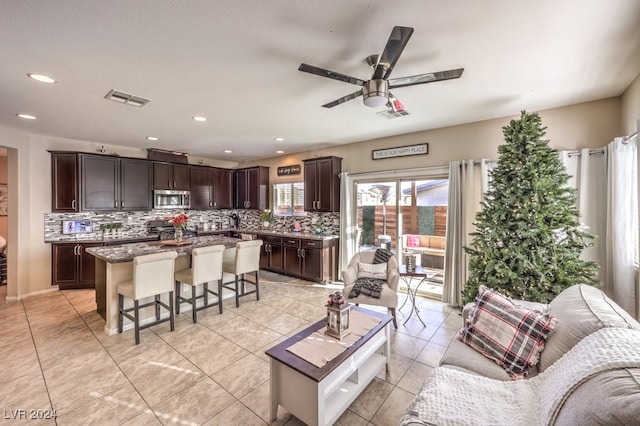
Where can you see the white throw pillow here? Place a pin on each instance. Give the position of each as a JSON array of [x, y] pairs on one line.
[[371, 270]]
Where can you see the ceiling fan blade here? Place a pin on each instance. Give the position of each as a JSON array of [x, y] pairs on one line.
[[330, 74], [425, 78], [398, 39], [394, 104], [343, 99]]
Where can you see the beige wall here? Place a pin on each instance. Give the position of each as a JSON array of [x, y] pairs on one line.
[[591, 124], [587, 125], [631, 108]]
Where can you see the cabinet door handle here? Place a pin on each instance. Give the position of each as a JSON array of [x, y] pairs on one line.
[[122, 204], [169, 183], [174, 183], [73, 204], [302, 250], [318, 206], [310, 243]]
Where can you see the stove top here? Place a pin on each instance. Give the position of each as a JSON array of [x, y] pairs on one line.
[[165, 229]]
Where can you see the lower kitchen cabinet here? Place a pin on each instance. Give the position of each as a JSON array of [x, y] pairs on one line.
[[71, 266], [271, 254], [313, 260]]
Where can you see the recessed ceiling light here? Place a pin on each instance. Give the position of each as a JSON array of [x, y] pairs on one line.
[[279, 139], [27, 116], [227, 151], [199, 118], [279, 151], [41, 78], [152, 138]]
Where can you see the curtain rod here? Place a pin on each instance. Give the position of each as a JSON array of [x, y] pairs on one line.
[[627, 139]]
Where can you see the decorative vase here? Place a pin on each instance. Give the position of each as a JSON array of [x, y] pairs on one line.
[[178, 234], [265, 224]]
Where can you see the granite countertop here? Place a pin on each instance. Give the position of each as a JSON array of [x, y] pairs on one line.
[[305, 235], [124, 239], [126, 252]]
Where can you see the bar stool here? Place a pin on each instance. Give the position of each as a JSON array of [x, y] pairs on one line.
[[152, 276], [206, 266], [235, 267]]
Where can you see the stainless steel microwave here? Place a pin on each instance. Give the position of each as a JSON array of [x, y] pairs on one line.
[[171, 199]]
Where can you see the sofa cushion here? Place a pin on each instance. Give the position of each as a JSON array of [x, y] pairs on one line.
[[580, 310], [609, 398], [372, 270], [437, 242], [511, 336]]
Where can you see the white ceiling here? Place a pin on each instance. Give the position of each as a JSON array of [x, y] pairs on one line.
[[236, 62]]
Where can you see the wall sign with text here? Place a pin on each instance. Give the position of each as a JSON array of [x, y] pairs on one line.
[[294, 169], [401, 151]]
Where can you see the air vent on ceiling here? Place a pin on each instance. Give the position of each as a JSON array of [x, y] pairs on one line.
[[126, 98]]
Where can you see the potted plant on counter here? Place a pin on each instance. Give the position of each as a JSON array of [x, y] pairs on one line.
[[266, 217]]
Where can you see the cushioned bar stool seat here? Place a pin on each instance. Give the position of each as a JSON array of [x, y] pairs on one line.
[[206, 266], [152, 276], [237, 263]]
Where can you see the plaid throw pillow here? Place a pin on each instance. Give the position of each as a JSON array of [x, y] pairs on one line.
[[510, 335], [382, 256]]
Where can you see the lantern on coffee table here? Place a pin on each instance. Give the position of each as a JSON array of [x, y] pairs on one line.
[[337, 316]]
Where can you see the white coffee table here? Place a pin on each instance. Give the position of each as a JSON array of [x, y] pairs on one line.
[[319, 396]]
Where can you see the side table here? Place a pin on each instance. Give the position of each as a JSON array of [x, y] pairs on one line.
[[407, 277]]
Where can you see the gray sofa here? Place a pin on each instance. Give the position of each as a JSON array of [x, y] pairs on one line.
[[605, 398]]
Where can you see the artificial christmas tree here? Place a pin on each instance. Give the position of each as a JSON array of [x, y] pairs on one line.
[[528, 236]]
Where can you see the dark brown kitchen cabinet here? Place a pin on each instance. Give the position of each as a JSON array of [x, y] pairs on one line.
[[322, 184], [135, 185], [99, 183], [64, 182], [71, 266], [271, 254], [223, 188], [112, 184], [171, 176], [313, 260], [251, 188], [211, 188]]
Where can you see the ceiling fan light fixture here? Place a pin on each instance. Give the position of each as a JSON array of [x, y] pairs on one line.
[[375, 93]]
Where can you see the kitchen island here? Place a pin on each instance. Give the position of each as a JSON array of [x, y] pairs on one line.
[[114, 264]]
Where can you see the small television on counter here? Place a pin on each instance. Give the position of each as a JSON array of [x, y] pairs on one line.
[[76, 226]]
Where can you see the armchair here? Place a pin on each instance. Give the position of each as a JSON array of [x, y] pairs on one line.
[[389, 295]]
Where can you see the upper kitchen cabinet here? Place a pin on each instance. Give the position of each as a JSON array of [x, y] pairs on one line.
[[211, 188], [90, 182], [251, 188], [111, 183], [64, 182], [99, 183], [171, 176], [223, 188], [135, 184], [322, 184]]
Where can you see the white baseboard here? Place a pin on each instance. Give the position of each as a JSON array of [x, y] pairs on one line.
[[35, 293]]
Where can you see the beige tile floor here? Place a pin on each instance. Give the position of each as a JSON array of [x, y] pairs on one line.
[[56, 356]]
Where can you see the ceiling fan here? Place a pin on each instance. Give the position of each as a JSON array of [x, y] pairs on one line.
[[375, 92]]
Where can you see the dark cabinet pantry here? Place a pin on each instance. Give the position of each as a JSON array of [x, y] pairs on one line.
[[71, 266], [322, 184]]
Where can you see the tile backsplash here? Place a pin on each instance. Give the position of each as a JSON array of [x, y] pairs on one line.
[[134, 224]]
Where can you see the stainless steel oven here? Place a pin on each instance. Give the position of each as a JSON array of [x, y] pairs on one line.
[[170, 199]]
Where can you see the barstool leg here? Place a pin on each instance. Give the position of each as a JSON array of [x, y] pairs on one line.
[[237, 294], [157, 306], [257, 286], [136, 321], [171, 316], [220, 295], [193, 304], [120, 310], [205, 293], [177, 297]]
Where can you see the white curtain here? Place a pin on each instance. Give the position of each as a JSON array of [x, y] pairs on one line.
[[622, 201], [468, 181], [607, 184], [347, 222], [587, 170]]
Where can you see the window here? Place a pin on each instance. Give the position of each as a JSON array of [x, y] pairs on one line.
[[288, 199]]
